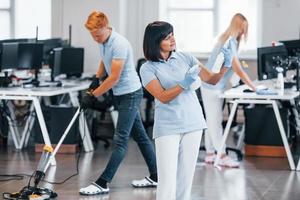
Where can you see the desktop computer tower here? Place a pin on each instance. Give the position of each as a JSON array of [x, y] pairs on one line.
[[261, 127], [57, 119]]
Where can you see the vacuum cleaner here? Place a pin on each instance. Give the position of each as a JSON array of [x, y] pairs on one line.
[[35, 192]]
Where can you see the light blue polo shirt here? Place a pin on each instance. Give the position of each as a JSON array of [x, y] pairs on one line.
[[118, 47], [183, 114], [221, 85]]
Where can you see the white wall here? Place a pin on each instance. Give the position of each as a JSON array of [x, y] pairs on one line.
[[75, 12], [279, 20], [140, 14]]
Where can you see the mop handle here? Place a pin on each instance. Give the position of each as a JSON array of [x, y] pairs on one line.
[[66, 132]]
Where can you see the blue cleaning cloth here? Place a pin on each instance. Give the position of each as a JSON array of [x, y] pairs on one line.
[[266, 91]]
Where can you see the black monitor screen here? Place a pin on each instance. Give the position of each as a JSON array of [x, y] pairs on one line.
[[9, 55], [268, 59], [292, 46], [49, 45], [21, 55], [68, 61], [30, 55]]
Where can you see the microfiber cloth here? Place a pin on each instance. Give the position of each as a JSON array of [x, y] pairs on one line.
[[266, 91]]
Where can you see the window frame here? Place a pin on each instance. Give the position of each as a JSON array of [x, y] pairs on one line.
[[166, 8], [11, 12]]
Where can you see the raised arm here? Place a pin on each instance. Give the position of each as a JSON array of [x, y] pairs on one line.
[[209, 77], [155, 89], [213, 78], [166, 95]]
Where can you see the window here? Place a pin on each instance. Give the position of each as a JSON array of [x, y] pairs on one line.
[[197, 24], [5, 19], [19, 18]]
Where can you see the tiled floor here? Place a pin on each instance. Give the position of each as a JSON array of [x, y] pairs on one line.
[[257, 179]]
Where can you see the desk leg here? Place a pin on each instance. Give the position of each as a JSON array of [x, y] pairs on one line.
[[27, 128], [283, 136], [226, 132], [12, 127], [14, 133], [83, 128], [295, 112], [42, 123], [298, 166]]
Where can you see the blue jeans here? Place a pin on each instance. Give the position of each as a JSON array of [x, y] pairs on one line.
[[129, 124]]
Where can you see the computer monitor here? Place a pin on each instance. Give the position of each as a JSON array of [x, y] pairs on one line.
[[30, 55], [21, 55], [12, 41], [49, 45], [69, 61], [267, 61], [9, 55], [292, 46]]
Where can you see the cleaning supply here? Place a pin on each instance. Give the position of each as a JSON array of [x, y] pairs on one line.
[[220, 58], [280, 80], [42, 166]]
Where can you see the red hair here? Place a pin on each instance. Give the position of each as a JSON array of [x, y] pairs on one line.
[[96, 20]]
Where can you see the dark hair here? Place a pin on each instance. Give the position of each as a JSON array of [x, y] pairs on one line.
[[155, 32]]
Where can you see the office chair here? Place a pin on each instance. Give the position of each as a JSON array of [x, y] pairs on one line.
[[101, 106], [4, 125], [148, 121]]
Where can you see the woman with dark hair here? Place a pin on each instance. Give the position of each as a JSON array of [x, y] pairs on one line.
[[178, 122]]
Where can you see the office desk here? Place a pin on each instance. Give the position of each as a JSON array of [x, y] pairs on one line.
[[34, 95], [239, 97]]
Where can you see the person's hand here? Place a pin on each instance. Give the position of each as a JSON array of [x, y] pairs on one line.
[[266, 91], [190, 76], [95, 83], [227, 57], [88, 101]]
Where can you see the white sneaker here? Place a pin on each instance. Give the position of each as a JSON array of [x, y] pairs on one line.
[[93, 189], [210, 159], [229, 162], [145, 182]]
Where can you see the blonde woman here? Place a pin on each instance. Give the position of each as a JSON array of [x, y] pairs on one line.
[[235, 33]]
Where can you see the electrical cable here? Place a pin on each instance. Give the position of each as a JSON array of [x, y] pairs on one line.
[[21, 176], [77, 162], [28, 190]]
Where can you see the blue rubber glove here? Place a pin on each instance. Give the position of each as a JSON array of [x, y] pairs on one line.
[[228, 56], [266, 91], [190, 76]]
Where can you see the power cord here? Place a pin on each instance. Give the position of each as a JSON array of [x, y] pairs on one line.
[[77, 162], [42, 193]]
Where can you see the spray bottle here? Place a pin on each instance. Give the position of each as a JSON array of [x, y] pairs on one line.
[[280, 80], [220, 58]]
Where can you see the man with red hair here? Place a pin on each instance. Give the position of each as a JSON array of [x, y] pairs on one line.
[[117, 62]]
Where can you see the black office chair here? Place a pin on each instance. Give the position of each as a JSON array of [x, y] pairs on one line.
[[4, 126], [101, 106], [148, 121]]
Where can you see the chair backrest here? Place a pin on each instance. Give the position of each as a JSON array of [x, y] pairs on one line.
[[140, 62]]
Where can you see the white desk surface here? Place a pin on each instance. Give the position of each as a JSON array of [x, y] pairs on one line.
[[70, 86], [238, 92]]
